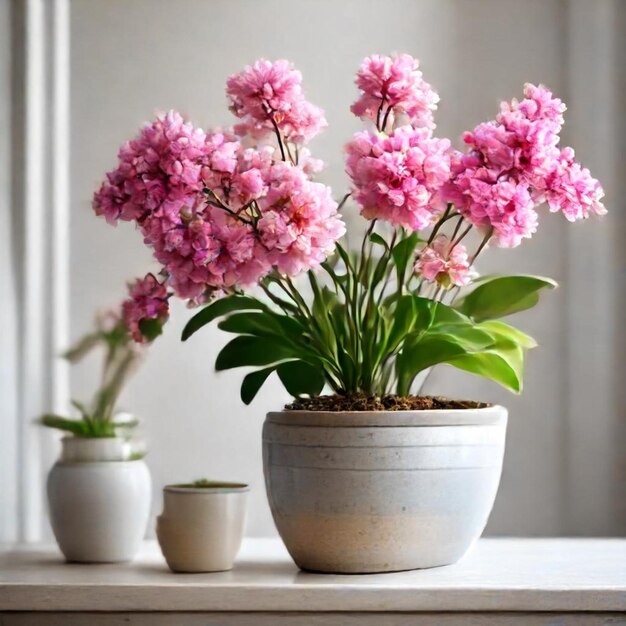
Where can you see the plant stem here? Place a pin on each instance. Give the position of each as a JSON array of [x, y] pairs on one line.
[[343, 200], [483, 243], [298, 297], [278, 136], [219, 203], [460, 238], [444, 218], [379, 112], [386, 118], [456, 228], [285, 307]]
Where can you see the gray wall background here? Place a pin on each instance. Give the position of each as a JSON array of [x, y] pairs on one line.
[[564, 470]]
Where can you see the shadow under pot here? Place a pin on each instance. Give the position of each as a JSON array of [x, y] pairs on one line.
[[202, 525]]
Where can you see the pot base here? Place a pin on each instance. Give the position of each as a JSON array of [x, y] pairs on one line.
[[371, 544]]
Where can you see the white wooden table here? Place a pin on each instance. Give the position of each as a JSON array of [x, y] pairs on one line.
[[501, 581]]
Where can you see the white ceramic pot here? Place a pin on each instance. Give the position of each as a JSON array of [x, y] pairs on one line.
[[99, 506], [358, 492], [201, 528]]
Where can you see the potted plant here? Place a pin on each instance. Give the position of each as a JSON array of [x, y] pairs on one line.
[[99, 491], [202, 524], [371, 477]]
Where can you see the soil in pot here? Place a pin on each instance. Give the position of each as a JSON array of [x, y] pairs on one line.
[[364, 402]]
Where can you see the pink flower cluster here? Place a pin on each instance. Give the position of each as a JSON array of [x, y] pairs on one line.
[[393, 87], [445, 264], [571, 189], [148, 301], [268, 96], [397, 177], [220, 215], [222, 210], [299, 224], [514, 163]]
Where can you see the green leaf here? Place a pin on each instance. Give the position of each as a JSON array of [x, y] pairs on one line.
[[503, 364], [405, 315], [253, 382], [218, 308], [323, 302], [506, 331], [403, 251], [261, 324], [444, 315], [150, 328], [380, 271], [245, 350], [80, 428], [81, 408], [345, 257], [300, 377], [377, 239], [503, 295], [419, 353], [77, 427], [83, 347], [422, 350]]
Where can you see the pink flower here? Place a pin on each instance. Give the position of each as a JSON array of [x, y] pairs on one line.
[[514, 163], [448, 266], [268, 95], [392, 87], [502, 206], [216, 213], [398, 177], [571, 189], [163, 161], [299, 222], [148, 301], [240, 260]]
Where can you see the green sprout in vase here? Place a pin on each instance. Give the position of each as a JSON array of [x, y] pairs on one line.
[[122, 335]]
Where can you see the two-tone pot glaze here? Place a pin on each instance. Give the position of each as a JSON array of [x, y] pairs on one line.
[[201, 528], [358, 492]]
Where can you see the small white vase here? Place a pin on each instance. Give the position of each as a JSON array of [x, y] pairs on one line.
[[359, 492], [201, 528], [99, 502]]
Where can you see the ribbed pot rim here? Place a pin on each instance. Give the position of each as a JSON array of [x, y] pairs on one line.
[[490, 415]]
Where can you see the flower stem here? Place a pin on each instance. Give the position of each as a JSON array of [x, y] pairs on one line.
[[460, 238], [444, 218], [386, 118], [483, 243], [456, 228], [278, 136], [343, 200]]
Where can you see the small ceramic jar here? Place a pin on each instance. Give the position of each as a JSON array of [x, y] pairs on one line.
[[99, 499], [201, 527]]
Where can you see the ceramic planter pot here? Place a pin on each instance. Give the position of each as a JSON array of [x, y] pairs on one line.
[[201, 528], [99, 501], [359, 492]]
